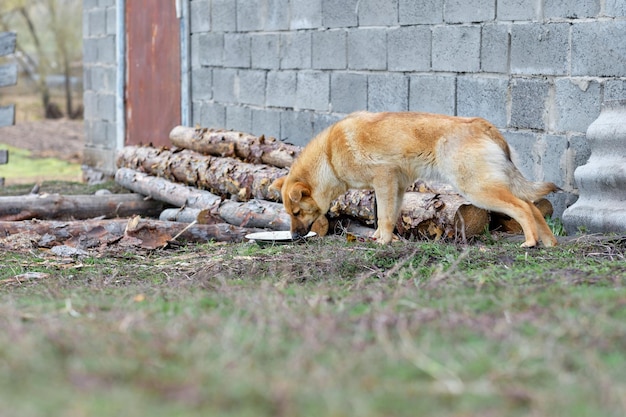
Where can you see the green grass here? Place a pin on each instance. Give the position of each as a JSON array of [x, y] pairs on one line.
[[328, 328], [24, 168]]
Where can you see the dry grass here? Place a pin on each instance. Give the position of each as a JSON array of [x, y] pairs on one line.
[[327, 328]]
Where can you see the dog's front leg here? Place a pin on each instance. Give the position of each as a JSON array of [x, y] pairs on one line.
[[388, 202]]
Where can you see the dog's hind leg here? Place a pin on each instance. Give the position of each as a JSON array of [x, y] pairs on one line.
[[545, 234], [502, 200]]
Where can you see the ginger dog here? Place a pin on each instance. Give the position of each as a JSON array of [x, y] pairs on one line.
[[387, 152]]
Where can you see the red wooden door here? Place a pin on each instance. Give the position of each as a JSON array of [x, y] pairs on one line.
[[153, 85]]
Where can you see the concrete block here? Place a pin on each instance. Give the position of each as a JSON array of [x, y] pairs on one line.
[[90, 104], [524, 155], [224, 15], [313, 90], [196, 112], [554, 158], [615, 90], [281, 89], [200, 16], [103, 79], [296, 127], [348, 92], [96, 22], [615, 8], [577, 104], [224, 81], [469, 11], [266, 122], [529, 103], [408, 48], [201, 84], [265, 51], [295, 50], [322, 120], [456, 48], [387, 92], [106, 50], [210, 51], [252, 87], [339, 13], [433, 94], [554, 9], [494, 49], [579, 153], [598, 49], [367, 49], [420, 12], [239, 118], [330, 49], [213, 115], [195, 47], [111, 25], [250, 15], [518, 10], [89, 4], [276, 15], [90, 51], [237, 50], [484, 97], [378, 12], [106, 3], [306, 14], [540, 48]]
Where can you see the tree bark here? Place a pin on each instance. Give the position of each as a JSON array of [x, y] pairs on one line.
[[55, 206], [203, 206], [176, 194], [249, 148], [145, 233], [423, 215], [225, 177]]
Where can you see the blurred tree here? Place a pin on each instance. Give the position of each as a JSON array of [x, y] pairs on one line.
[[49, 38]]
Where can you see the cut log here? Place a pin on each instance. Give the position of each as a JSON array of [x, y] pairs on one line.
[[249, 148], [423, 215], [55, 206], [255, 213], [203, 206], [145, 233], [222, 176], [188, 215], [503, 223], [164, 190], [435, 216]]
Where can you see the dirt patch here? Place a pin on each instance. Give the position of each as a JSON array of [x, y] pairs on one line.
[[63, 139]]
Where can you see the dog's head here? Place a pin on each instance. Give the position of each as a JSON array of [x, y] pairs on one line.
[[305, 214]]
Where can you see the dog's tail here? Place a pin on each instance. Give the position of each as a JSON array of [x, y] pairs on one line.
[[520, 186], [529, 190]]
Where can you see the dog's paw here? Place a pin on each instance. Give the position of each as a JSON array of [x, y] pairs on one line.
[[529, 244]]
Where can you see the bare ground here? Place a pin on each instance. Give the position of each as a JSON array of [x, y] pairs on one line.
[[63, 139]]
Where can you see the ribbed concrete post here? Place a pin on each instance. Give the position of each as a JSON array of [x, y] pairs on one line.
[[601, 207]]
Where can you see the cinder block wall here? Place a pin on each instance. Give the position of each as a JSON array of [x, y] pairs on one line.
[[99, 78], [537, 69]]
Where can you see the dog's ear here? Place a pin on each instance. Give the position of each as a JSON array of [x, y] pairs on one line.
[[298, 191], [277, 185]]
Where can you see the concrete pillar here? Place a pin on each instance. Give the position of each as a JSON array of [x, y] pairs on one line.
[[601, 207]]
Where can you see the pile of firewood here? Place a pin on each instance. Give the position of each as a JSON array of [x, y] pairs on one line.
[[215, 176], [214, 185]]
